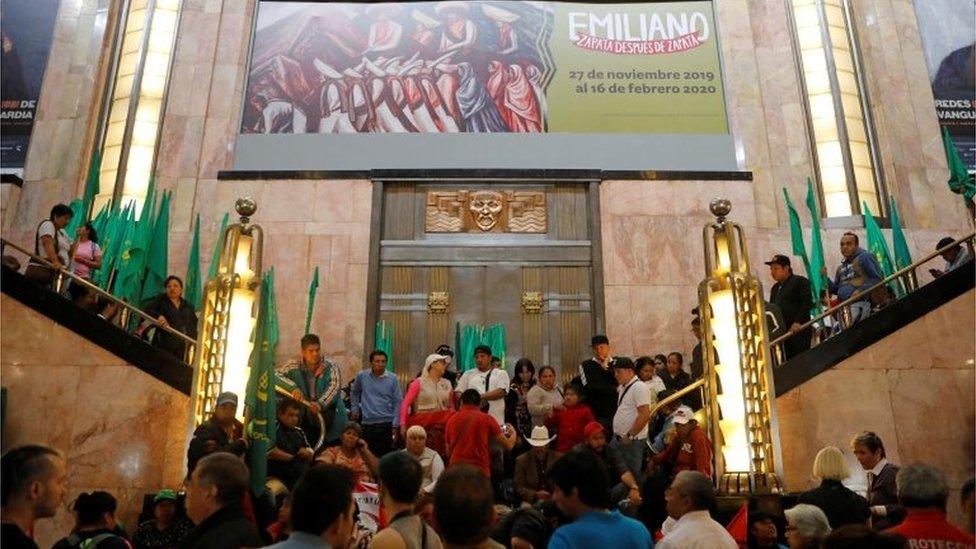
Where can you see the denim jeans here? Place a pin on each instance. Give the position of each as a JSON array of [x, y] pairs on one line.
[[633, 455]]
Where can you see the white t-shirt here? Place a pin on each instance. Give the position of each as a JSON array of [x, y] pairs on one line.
[[655, 385], [63, 245], [475, 379], [629, 400], [696, 530]]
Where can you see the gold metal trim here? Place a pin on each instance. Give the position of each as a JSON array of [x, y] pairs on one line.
[[532, 303], [438, 302]]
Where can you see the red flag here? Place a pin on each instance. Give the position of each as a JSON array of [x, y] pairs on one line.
[[739, 526]]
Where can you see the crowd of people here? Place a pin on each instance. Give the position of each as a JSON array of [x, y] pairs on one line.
[[582, 464], [480, 458], [791, 300]]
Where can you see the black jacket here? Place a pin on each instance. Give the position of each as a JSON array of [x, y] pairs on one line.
[[679, 382], [228, 528], [841, 505], [884, 492], [599, 388], [793, 298], [182, 319], [207, 439]]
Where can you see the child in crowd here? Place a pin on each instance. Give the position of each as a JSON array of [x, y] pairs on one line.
[[292, 453], [570, 421]]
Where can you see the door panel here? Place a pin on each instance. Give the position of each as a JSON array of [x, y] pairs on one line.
[[485, 277]]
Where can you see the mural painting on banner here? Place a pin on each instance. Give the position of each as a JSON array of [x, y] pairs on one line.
[[26, 35], [484, 67], [947, 28]]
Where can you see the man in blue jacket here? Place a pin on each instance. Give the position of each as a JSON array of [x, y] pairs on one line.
[[856, 273]]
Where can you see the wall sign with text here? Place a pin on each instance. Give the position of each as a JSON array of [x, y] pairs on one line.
[[484, 67], [26, 36]]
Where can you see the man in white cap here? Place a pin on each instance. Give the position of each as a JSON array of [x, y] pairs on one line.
[[217, 434], [532, 467], [690, 449]]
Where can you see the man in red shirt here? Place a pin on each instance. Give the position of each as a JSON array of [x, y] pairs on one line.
[[923, 491], [690, 449], [470, 430]]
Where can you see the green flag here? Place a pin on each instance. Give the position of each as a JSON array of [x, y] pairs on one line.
[[878, 245], [903, 257], [77, 218], [218, 246], [796, 233], [312, 287], [817, 263], [470, 338], [115, 227], [192, 292], [260, 399], [383, 335], [494, 337], [101, 220], [960, 180], [91, 182], [132, 258], [157, 253]]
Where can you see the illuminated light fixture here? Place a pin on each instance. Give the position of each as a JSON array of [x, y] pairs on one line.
[[147, 39], [741, 416], [840, 123], [230, 310]]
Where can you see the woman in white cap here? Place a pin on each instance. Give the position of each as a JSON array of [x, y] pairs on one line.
[[532, 467], [429, 403]]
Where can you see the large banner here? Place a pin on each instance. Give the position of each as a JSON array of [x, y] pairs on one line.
[[484, 67], [947, 28], [26, 34]]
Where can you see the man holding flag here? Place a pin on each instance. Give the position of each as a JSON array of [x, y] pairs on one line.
[[312, 379]]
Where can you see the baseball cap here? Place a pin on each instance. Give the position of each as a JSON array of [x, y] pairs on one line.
[[227, 397], [432, 359], [592, 428], [683, 415], [164, 494], [779, 260]]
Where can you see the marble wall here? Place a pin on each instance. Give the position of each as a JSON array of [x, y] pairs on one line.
[[914, 388], [650, 228], [120, 429]]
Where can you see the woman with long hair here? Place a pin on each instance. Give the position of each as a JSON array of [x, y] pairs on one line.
[[516, 406], [353, 454], [429, 402], [86, 256]]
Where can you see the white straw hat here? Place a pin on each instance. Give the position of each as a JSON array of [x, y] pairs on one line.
[[540, 436]]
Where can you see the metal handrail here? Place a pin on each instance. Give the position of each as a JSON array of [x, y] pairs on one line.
[[859, 295], [4, 243], [282, 392], [676, 396]]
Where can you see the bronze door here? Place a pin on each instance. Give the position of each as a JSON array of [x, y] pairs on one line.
[[538, 285]]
